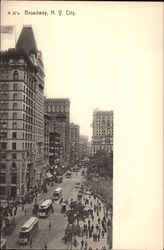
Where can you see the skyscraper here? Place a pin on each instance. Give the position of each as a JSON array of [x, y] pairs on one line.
[[102, 131], [58, 110], [74, 135], [21, 116]]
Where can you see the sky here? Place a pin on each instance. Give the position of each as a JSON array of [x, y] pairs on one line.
[[110, 56], [79, 54]]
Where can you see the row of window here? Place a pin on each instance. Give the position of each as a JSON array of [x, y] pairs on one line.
[[56, 108], [3, 178], [12, 188], [15, 97], [3, 135], [3, 145], [3, 156]]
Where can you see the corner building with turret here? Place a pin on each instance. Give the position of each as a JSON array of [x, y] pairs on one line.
[[21, 117]]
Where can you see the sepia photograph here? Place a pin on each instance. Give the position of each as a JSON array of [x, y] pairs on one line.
[[80, 115]]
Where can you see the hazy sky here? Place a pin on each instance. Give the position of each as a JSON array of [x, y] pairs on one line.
[[86, 56]]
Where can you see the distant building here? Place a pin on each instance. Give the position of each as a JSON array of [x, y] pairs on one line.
[[74, 131], [58, 110], [84, 147], [102, 131], [54, 149], [21, 116], [46, 139]]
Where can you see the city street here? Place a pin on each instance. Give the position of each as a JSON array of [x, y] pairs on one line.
[[58, 220]]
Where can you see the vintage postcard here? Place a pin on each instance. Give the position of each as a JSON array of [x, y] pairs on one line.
[[81, 121]]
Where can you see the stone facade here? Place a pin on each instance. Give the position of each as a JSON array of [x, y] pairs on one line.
[[74, 131], [102, 131], [58, 110], [21, 116]]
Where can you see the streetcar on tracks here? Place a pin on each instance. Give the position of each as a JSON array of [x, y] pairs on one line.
[[57, 193], [45, 208], [28, 230]]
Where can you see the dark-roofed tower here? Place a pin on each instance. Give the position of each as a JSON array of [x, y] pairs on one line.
[[26, 40], [21, 116]]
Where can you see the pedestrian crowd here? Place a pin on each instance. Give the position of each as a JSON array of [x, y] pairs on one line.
[[94, 229]]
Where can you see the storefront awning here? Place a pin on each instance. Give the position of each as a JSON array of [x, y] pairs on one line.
[[49, 175]]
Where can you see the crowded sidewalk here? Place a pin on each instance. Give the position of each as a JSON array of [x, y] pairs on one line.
[[94, 231]]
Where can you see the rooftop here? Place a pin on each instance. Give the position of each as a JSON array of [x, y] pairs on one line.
[[26, 40]]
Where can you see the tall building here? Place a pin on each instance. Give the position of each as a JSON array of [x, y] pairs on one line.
[[102, 131], [55, 149], [21, 116], [58, 111], [46, 139], [74, 131]]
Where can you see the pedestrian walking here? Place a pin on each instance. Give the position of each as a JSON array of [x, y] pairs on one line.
[[97, 213], [92, 227], [45, 246], [87, 233], [98, 220], [90, 233], [91, 203], [97, 227], [25, 211], [98, 236], [89, 223], [82, 243], [31, 243], [22, 208], [102, 233], [86, 244], [92, 216], [49, 225]]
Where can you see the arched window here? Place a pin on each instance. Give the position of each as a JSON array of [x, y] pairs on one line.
[[13, 166], [15, 75]]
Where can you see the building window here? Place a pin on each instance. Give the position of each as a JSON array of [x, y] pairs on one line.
[[4, 105], [3, 156], [15, 96], [13, 166], [14, 115], [2, 190], [3, 116], [14, 156], [5, 87], [3, 135], [14, 125], [13, 178], [3, 145], [13, 191], [15, 87], [15, 75], [3, 166], [15, 105], [2, 178], [14, 135], [14, 146]]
